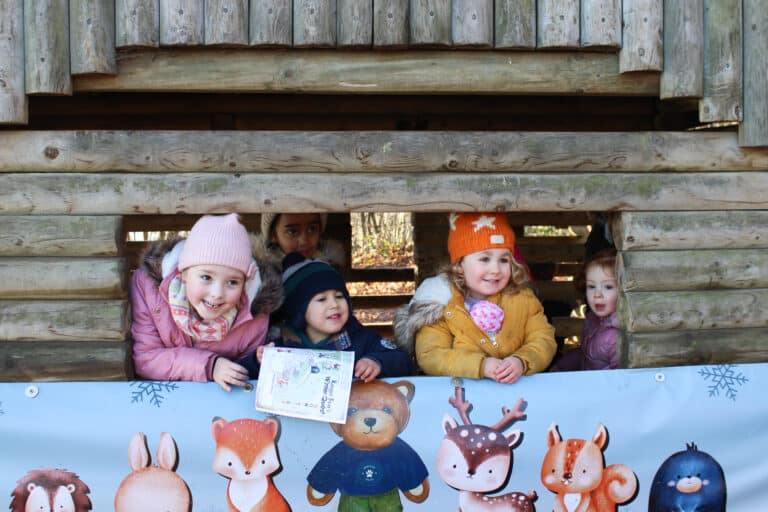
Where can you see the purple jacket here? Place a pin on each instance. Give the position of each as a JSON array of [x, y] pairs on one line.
[[162, 351], [598, 343]]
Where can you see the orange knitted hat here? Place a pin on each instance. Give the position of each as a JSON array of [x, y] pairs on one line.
[[472, 232]]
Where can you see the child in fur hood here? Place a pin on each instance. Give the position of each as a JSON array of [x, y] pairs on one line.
[[317, 314], [478, 319], [202, 304]]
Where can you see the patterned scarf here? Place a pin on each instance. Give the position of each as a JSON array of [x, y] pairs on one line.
[[187, 318]]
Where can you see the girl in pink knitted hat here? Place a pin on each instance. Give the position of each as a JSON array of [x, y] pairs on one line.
[[201, 304]]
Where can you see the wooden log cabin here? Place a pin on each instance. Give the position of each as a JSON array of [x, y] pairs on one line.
[[140, 115]]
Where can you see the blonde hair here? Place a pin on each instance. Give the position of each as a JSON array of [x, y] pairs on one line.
[[519, 278]]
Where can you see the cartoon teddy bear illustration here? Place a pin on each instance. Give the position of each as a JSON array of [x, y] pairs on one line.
[[371, 463]]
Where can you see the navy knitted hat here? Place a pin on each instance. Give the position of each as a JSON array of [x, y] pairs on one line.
[[303, 279]]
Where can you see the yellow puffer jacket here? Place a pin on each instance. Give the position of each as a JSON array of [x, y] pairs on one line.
[[455, 346]]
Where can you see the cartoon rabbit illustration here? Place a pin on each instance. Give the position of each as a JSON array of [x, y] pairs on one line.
[[152, 488], [476, 460]]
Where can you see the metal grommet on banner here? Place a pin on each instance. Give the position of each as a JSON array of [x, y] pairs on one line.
[[457, 382], [31, 391], [659, 377], [248, 387]]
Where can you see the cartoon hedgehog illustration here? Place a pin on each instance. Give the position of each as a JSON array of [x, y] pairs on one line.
[[50, 489], [688, 481]]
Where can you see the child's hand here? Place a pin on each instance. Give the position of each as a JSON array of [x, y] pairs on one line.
[[226, 372], [260, 350], [489, 367], [367, 369], [509, 370]]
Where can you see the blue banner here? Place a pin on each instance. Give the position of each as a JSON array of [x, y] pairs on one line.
[[684, 439]]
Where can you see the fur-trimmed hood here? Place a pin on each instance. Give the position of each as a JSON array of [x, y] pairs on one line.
[[330, 251], [267, 294], [426, 308]]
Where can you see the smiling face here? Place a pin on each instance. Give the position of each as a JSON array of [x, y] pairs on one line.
[[327, 313], [602, 291], [486, 272], [298, 232], [212, 290]]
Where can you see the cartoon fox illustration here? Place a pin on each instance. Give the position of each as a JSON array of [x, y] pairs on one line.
[[246, 454], [575, 470]]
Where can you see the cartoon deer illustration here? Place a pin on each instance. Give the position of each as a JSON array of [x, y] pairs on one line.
[[476, 460], [575, 470]]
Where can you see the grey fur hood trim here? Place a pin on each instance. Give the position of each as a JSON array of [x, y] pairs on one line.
[[270, 294], [412, 317]]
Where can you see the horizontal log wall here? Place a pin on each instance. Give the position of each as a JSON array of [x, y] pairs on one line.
[[693, 285]]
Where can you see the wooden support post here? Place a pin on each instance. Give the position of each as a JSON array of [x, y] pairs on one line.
[[65, 320], [46, 47], [753, 132], [314, 23], [601, 23], [138, 23], [642, 27], [354, 27], [226, 22], [92, 28], [557, 23], [430, 23], [515, 24], [182, 23], [723, 68], [271, 23], [13, 100], [472, 23], [683, 75]]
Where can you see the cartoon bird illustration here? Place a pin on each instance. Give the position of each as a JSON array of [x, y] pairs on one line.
[[688, 481]]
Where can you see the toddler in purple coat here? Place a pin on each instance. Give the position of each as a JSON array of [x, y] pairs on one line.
[[598, 342]]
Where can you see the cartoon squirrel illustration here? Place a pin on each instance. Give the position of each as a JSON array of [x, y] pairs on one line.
[[50, 489], [575, 470], [476, 460], [246, 454], [152, 487]]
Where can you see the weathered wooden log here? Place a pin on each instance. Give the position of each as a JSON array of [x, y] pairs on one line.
[[46, 47], [64, 361], [683, 75], [92, 26], [430, 23], [76, 320], [226, 22], [692, 270], [271, 23], [60, 236], [390, 24], [182, 23], [380, 152], [335, 71], [642, 26], [713, 346], [138, 23], [690, 230], [753, 132], [354, 26], [62, 278], [515, 24], [13, 99], [722, 62], [709, 309], [601, 23], [557, 23], [136, 194], [472, 23], [314, 23]]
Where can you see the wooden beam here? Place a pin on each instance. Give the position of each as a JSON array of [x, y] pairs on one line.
[[46, 47], [683, 75], [62, 278], [708, 309], [430, 23], [60, 236], [377, 151], [271, 23], [182, 23], [92, 31], [79, 320], [135, 194], [690, 230], [13, 100], [753, 132], [138, 23], [641, 49], [64, 361], [351, 72], [472, 23], [692, 270], [515, 24], [712, 346], [723, 63], [390, 24], [557, 23], [601, 23], [226, 22]]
